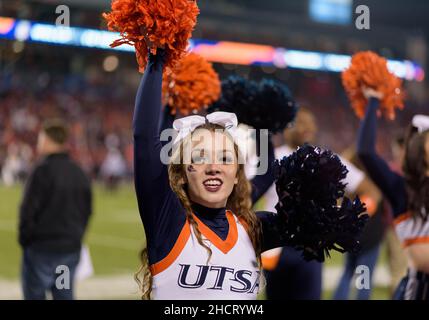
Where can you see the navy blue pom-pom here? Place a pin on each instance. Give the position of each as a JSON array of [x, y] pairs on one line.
[[237, 95], [276, 108], [315, 215], [265, 105]]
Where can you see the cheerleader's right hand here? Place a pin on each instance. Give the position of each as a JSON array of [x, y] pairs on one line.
[[371, 93], [149, 43]]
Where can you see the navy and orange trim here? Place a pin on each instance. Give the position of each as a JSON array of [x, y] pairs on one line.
[[402, 217], [174, 253], [410, 241], [223, 245]]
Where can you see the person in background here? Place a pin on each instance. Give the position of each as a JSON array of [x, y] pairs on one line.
[[16, 164], [371, 239], [53, 217], [114, 167], [408, 194], [396, 258]]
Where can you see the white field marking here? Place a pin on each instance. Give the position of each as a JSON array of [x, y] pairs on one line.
[[124, 286], [98, 287], [331, 277], [10, 290]]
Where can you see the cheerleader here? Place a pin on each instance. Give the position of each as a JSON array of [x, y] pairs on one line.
[[203, 240], [408, 194], [195, 212]]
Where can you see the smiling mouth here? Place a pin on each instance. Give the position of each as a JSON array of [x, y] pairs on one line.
[[213, 185]]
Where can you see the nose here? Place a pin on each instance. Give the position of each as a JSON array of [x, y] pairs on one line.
[[212, 169]]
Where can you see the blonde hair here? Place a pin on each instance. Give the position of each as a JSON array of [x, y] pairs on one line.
[[239, 202]]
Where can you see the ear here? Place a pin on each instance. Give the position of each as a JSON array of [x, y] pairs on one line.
[[236, 180], [182, 181]]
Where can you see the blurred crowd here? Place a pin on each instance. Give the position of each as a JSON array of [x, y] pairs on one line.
[[98, 122], [98, 108]]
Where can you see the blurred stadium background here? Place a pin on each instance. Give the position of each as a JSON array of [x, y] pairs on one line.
[[47, 71]]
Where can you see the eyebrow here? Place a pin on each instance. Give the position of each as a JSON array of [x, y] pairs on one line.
[[199, 150], [219, 151]]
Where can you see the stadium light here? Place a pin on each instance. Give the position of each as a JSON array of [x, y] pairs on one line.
[[215, 51]]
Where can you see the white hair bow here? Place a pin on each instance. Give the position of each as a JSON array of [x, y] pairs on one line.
[[421, 122], [187, 125]]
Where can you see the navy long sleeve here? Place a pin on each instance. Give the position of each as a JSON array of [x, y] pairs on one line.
[[389, 182], [167, 120], [160, 210]]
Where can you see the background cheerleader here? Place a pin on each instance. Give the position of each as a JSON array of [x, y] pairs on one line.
[[408, 195], [371, 240]]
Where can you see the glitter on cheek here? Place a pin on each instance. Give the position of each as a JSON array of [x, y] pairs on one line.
[[191, 168]]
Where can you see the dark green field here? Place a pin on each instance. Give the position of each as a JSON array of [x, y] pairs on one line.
[[115, 235]]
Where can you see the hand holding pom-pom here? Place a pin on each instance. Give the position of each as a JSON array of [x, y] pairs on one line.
[[371, 93], [309, 186], [191, 86], [368, 71], [152, 24]]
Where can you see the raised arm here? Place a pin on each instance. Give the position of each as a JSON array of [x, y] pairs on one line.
[[159, 207], [148, 100], [166, 122], [390, 183]]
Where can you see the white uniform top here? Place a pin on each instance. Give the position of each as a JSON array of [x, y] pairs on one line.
[[411, 230], [353, 179], [231, 273], [114, 164]]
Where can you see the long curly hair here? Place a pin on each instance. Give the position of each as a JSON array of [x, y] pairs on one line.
[[415, 168], [239, 202]]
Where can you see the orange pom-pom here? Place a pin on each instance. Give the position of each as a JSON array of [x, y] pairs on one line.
[[192, 85], [153, 24], [368, 69]]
